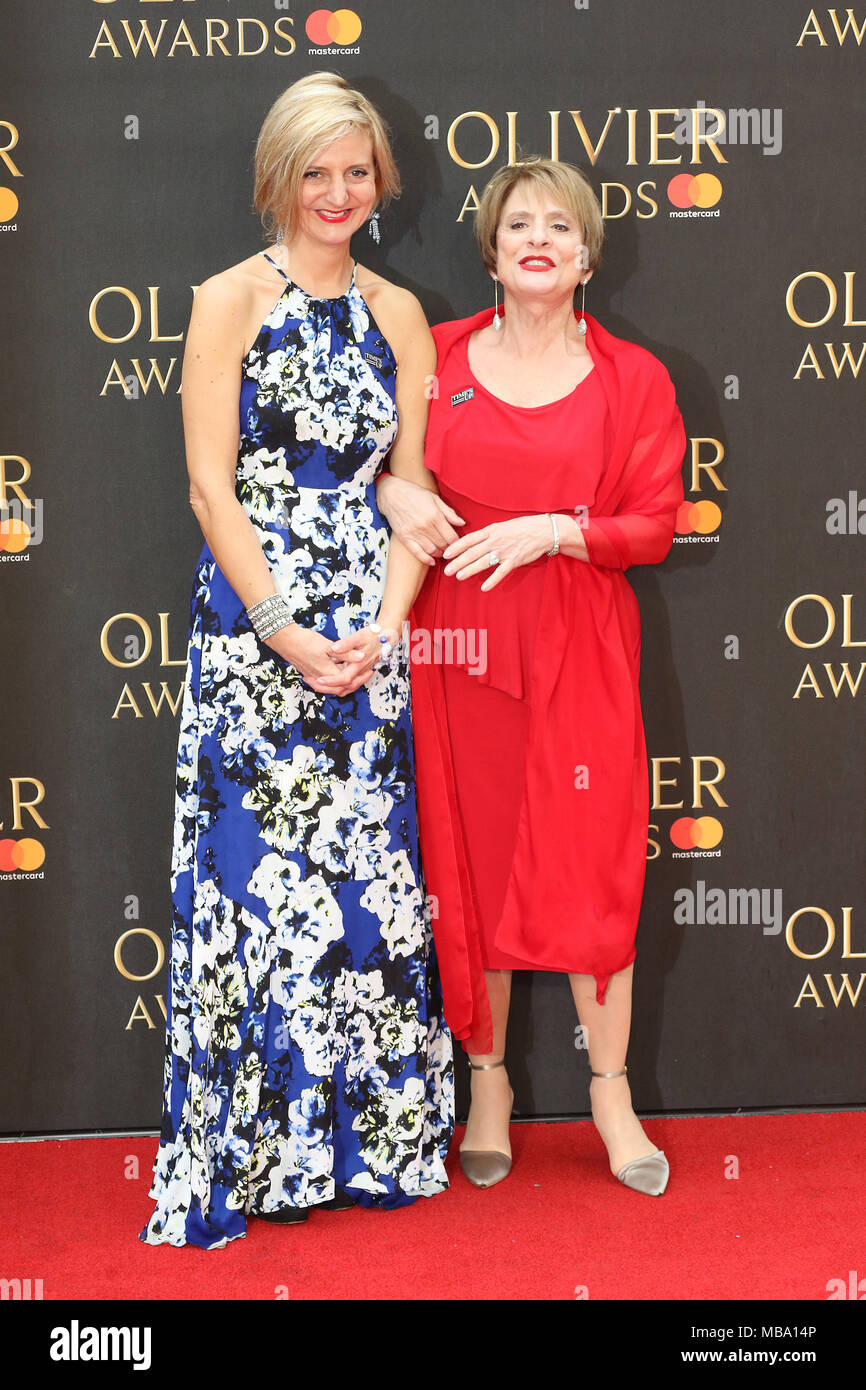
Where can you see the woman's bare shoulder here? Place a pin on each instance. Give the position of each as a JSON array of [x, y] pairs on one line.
[[397, 311], [238, 285]]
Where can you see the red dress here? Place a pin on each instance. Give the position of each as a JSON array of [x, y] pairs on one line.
[[530, 753]]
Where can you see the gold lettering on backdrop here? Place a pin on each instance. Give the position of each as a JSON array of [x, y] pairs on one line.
[[849, 320], [157, 376], [155, 335], [592, 151], [140, 1012], [470, 203], [840, 362], [656, 135], [699, 782], [183, 38], [808, 681], [118, 953], [847, 359], [145, 381], [127, 701], [145, 629], [830, 626], [19, 804], [846, 936], [698, 467], [115, 378], [832, 298], [809, 362], [845, 681], [252, 37], [829, 928], [658, 782], [707, 783], [4, 149], [136, 313], [139, 1015], [812, 33], [281, 33], [451, 141], [617, 200], [156, 705], [245, 52], [165, 659], [213, 39], [133, 299], [812, 29], [809, 990], [700, 137], [845, 990], [8, 485]]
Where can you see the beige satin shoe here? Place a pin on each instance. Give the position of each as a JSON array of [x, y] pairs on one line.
[[485, 1167], [650, 1174]]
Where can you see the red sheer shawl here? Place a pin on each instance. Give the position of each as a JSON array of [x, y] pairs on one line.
[[576, 881]]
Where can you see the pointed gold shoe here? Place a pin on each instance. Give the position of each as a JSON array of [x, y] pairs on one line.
[[485, 1167]]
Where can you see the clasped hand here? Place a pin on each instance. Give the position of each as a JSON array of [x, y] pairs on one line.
[[519, 541], [332, 668]]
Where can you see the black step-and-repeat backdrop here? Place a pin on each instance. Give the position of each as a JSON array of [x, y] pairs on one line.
[[725, 142]]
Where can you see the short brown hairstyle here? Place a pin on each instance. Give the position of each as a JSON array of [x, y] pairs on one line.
[[314, 111], [565, 181]]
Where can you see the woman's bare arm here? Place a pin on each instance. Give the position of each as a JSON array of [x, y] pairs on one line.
[[211, 406]]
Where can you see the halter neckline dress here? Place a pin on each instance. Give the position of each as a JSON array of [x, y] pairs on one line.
[[306, 1051]]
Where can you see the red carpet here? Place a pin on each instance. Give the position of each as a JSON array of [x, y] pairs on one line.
[[791, 1221]]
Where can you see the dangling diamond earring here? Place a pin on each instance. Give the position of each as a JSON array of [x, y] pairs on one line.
[[279, 238], [581, 327], [497, 321], [374, 228]]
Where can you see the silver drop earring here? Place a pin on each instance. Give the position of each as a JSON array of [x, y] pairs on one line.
[[497, 321], [581, 327], [279, 238], [374, 228]]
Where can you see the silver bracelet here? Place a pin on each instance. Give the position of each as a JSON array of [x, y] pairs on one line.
[[555, 548], [269, 615]]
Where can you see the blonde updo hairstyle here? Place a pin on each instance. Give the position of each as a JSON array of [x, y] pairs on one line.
[[309, 115], [567, 184]]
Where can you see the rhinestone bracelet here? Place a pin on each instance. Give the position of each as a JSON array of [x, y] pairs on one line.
[[269, 615]]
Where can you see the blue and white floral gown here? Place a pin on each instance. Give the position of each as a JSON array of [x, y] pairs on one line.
[[306, 1048]]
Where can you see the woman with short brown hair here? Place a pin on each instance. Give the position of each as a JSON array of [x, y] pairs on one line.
[[560, 446]]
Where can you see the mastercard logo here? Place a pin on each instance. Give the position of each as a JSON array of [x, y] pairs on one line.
[[333, 26], [702, 517], [8, 205], [14, 535], [703, 833], [25, 855], [694, 190]]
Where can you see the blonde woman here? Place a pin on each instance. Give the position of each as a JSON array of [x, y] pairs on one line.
[[307, 1063]]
